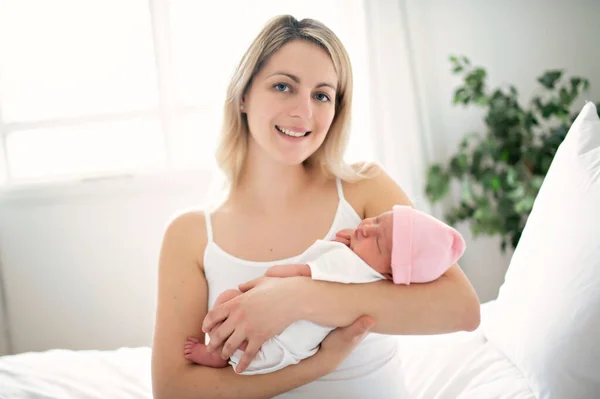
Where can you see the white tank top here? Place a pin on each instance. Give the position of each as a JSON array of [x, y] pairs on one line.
[[372, 370]]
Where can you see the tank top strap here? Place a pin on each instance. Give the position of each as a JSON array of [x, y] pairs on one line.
[[209, 233], [340, 190]]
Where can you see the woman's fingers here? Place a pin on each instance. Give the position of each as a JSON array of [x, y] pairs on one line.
[[233, 343], [346, 338], [220, 335], [339, 343], [247, 286], [215, 316], [214, 328], [249, 355], [359, 329]]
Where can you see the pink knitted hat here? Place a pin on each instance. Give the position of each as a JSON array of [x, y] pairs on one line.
[[423, 247]]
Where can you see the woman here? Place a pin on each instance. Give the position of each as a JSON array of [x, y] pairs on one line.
[[283, 139]]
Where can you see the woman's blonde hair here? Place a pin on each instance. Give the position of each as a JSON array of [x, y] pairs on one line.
[[232, 147]]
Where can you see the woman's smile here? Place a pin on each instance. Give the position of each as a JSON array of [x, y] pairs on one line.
[[294, 134]]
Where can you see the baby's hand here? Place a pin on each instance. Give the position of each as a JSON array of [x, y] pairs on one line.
[[344, 236]]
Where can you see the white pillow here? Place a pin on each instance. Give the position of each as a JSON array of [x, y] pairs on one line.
[[547, 315]]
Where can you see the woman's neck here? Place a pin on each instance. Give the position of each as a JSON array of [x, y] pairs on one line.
[[268, 186]]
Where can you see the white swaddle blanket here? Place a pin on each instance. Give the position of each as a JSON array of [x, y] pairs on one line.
[[328, 261]]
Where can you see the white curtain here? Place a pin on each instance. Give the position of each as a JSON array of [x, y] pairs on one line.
[[400, 138], [5, 347]]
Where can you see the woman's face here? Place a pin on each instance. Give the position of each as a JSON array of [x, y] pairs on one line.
[[291, 102]]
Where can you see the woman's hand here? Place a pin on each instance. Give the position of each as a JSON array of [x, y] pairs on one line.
[[340, 342], [266, 308]]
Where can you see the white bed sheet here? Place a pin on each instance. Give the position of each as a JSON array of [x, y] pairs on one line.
[[461, 365], [450, 366], [118, 374]]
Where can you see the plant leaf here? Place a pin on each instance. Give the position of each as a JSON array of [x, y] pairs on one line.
[[502, 169], [549, 79], [438, 183]]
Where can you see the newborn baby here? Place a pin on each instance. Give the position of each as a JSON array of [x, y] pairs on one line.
[[403, 245]]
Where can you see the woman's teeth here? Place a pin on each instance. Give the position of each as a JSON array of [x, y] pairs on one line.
[[290, 133]]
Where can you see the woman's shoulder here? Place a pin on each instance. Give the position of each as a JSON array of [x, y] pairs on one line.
[[376, 192], [186, 230], [189, 219]]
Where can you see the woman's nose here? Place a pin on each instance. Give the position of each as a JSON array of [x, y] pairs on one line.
[[302, 107]]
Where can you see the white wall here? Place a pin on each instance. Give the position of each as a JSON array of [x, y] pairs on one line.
[[62, 249], [80, 261], [515, 41]]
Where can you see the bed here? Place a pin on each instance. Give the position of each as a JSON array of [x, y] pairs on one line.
[[449, 366], [538, 339], [461, 365], [120, 374]]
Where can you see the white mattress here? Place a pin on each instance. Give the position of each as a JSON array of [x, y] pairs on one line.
[[450, 366]]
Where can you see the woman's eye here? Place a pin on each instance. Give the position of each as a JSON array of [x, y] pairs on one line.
[[322, 97], [281, 86]]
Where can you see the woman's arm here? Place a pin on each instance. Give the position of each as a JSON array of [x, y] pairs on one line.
[[445, 305], [181, 307]]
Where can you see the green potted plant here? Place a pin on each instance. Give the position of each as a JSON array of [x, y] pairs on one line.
[[500, 171]]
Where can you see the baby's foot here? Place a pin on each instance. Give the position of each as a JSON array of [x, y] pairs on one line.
[[196, 352]]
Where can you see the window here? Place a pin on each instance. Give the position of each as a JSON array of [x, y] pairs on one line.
[[93, 88]]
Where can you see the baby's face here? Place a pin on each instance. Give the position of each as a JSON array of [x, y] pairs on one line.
[[372, 241]]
